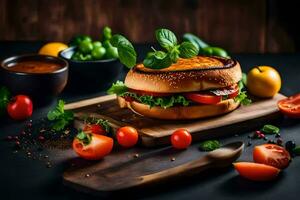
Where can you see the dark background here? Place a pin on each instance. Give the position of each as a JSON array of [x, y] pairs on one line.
[[248, 26]]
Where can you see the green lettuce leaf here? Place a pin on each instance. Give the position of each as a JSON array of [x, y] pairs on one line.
[[164, 102], [117, 88]]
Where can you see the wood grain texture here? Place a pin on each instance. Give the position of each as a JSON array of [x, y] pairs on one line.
[[239, 26], [121, 170], [155, 132]]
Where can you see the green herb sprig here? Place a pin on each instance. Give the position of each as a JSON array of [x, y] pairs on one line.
[[60, 117], [270, 129], [210, 145], [85, 138], [168, 41]]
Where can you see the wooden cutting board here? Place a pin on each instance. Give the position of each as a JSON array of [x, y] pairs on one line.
[[155, 132]]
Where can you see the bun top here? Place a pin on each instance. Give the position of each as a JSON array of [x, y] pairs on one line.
[[186, 75]]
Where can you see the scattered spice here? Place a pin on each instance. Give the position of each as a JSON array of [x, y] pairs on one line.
[[35, 137], [87, 175]]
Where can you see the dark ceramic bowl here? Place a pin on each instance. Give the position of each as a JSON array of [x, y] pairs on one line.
[[41, 86], [90, 75]]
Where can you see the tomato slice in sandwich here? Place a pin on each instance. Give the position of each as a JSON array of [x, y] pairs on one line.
[[213, 96], [203, 98]]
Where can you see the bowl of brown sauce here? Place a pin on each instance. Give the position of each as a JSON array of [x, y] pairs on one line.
[[38, 76]]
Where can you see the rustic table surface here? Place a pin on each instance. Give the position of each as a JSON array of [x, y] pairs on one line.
[[23, 178]]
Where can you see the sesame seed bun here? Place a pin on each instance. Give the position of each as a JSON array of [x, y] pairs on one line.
[[187, 75], [180, 112]]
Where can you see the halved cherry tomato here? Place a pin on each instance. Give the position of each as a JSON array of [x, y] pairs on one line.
[[98, 146], [203, 98], [181, 139], [127, 136], [272, 154], [94, 128], [290, 106], [256, 171], [155, 94]]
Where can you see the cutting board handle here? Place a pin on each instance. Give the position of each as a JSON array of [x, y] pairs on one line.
[[189, 168]]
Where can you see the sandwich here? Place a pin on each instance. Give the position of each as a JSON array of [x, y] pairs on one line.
[[191, 88]]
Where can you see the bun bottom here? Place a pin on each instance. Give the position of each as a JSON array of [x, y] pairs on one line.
[[180, 112]]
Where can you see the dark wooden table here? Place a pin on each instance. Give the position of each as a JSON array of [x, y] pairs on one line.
[[23, 178]]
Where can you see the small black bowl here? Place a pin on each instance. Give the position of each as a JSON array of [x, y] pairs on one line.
[[89, 76], [41, 87]]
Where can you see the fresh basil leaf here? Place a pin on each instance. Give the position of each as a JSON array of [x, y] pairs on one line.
[[200, 44], [4, 99], [117, 88], [243, 98], [166, 38], [270, 129], [188, 50], [174, 54], [210, 145], [126, 51], [157, 60]]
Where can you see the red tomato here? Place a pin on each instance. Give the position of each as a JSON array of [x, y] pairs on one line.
[[181, 139], [20, 107], [255, 171], [203, 98], [290, 106], [98, 147], [272, 154], [127, 136], [94, 128], [156, 94], [234, 92]]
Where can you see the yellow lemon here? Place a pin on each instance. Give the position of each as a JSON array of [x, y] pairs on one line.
[[52, 48], [263, 81]]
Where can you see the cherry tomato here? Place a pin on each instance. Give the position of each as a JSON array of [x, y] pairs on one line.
[[94, 128], [127, 136], [256, 171], [20, 107], [203, 98], [290, 106], [181, 139], [155, 94], [96, 148], [272, 154]]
